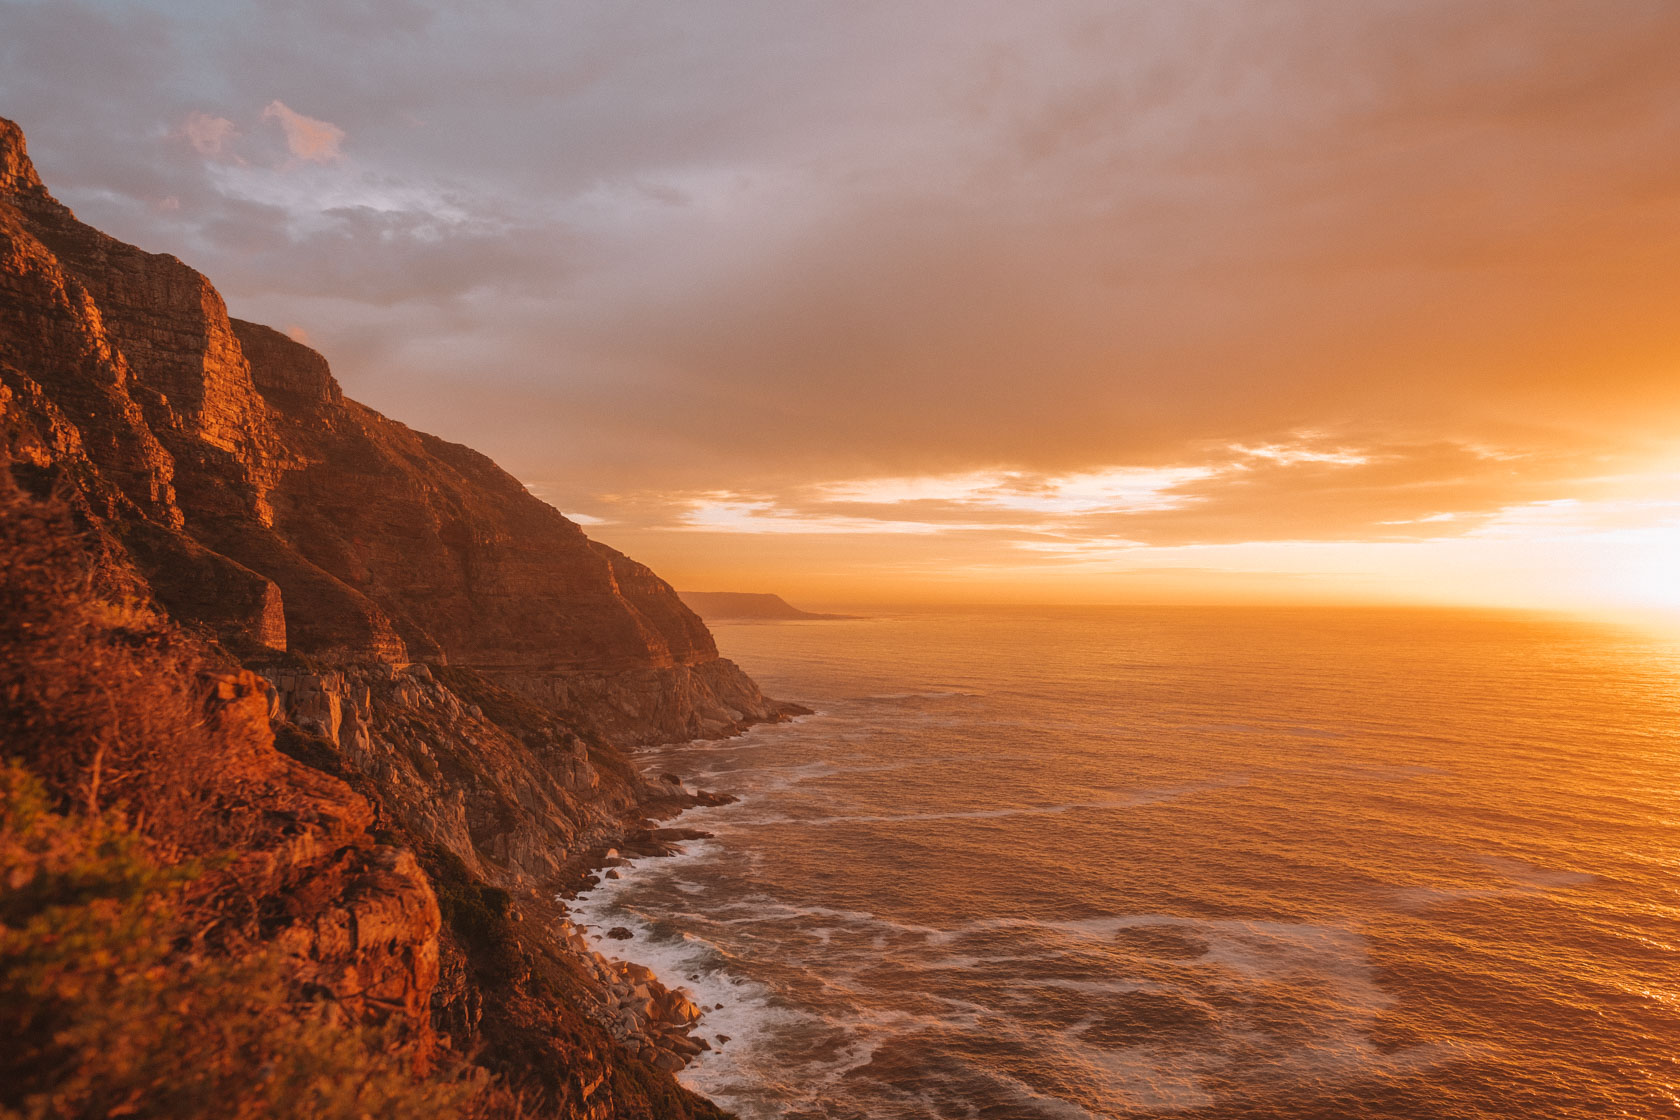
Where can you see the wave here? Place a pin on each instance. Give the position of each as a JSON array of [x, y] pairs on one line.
[[1129, 801], [785, 1049], [951, 901]]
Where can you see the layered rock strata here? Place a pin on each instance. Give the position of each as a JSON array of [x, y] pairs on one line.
[[358, 919], [222, 457]]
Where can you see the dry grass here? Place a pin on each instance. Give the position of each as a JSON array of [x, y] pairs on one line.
[[96, 697]]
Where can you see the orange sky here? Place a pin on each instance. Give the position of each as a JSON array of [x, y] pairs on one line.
[[1614, 547], [1058, 301]]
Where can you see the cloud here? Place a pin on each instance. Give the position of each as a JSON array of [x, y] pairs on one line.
[[725, 512], [308, 139], [1111, 490], [209, 135], [1293, 487], [991, 502], [1377, 271], [1300, 454]]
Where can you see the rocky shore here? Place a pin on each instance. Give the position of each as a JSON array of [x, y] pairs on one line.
[[652, 1021]]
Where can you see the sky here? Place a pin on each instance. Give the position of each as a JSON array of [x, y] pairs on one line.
[[1273, 300]]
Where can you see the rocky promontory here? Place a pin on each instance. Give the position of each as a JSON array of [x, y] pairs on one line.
[[419, 681], [749, 606]]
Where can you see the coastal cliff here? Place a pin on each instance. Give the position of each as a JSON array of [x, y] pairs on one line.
[[415, 681]]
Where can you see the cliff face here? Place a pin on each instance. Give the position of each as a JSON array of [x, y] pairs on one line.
[[428, 673], [222, 458]]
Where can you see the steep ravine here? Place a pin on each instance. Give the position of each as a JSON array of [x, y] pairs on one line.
[[417, 649]]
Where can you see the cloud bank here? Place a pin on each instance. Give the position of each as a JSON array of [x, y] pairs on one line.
[[1140, 275]]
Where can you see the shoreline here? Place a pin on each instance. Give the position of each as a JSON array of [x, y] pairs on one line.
[[652, 1008], [658, 999], [648, 1008], [652, 1018], [645, 1006]]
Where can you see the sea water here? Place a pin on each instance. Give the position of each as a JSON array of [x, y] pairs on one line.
[[1201, 863]]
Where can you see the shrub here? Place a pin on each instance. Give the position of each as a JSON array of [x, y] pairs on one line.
[[106, 1017], [96, 696]]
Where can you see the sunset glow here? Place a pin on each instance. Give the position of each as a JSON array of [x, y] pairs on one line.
[[1047, 303], [750, 560], [1142, 535]]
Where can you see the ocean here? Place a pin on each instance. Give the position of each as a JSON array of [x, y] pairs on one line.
[[1182, 862]]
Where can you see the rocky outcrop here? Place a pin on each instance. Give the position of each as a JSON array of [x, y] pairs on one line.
[[641, 1014], [358, 919], [710, 700], [513, 793], [121, 716]]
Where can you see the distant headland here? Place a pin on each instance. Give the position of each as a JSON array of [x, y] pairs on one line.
[[716, 605]]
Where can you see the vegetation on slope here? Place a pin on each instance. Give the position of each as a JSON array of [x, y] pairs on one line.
[[128, 984], [108, 1014]]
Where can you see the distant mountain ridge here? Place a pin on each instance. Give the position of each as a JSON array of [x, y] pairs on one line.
[[722, 605]]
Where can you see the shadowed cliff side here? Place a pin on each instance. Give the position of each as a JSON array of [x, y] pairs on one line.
[[194, 923]]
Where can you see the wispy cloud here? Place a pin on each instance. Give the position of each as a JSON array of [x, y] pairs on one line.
[[1094, 504], [1109, 490], [209, 135], [1301, 453], [308, 139], [725, 512]]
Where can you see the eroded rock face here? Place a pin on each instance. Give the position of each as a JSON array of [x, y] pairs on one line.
[[358, 919], [514, 798], [709, 700], [223, 460]]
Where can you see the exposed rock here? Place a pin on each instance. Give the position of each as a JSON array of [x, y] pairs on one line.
[[359, 918], [513, 798]]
